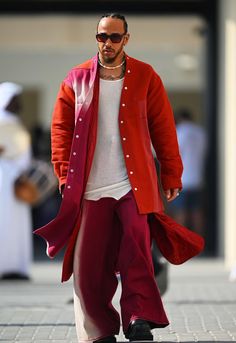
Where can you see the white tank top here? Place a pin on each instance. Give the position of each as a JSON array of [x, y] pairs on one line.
[[108, 176]]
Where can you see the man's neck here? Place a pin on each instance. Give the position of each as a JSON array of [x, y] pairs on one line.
[[112, 74], [115, 74]]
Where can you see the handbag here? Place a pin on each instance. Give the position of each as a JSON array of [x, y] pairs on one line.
[[26, 190], [35, 184]]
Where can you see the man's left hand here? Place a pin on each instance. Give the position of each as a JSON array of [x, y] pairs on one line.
[[171, 194]]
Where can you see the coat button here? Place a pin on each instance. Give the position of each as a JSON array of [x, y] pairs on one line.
[[72, 170], [80, 119], [131, 172], [128, 70], [135, 188], [121, 121], [69, 187], [127, 156], [124, 139], [76, 136], [123, 105], [126, 87], [74, 153]]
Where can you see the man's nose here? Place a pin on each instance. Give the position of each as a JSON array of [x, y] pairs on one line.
[[108, 42]]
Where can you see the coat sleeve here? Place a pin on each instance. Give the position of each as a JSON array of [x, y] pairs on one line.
[[62, 129], [163, 134]]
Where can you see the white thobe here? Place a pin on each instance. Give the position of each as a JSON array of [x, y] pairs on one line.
[[15, 216]]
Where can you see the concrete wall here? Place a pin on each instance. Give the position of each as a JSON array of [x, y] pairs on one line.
[[37, 51]]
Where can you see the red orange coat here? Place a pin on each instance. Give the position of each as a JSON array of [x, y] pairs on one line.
[[145, 116]]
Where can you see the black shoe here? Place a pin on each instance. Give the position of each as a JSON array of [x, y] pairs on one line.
[[108, 339], [139, 330]]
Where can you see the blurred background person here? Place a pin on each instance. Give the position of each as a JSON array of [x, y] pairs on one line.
[[187, 209], [15, 215]]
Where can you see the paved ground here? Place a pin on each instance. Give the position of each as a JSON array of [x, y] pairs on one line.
[[200, 302]]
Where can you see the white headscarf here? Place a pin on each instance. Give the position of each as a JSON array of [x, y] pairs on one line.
[[8, 90], [13, 137]]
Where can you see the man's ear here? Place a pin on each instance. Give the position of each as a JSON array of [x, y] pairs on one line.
[[127, 36]]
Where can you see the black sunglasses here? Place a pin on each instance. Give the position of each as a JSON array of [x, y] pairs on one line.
[[114, 37]]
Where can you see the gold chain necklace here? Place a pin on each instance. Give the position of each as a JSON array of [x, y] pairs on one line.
[[111, 68], [113, 77]]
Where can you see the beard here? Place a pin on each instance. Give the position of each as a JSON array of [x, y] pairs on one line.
[[110, 60]]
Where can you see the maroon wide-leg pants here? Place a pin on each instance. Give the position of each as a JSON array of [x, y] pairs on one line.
[[114, 237]]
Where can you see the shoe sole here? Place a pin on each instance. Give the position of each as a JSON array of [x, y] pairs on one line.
[[106, 340], [143, 339]]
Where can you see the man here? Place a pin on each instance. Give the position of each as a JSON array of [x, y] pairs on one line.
[[187, 209], [108, 111], [15, 215]]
